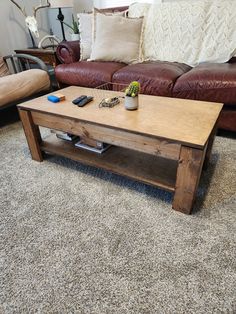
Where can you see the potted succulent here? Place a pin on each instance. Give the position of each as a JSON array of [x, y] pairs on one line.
[[131, 96], [74, 27]]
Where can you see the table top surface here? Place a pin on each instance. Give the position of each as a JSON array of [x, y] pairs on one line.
[[187, 122]]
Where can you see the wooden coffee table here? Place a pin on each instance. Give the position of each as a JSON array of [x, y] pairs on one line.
[[165, 143]]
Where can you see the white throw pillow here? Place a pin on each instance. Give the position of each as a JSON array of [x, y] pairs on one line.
[[85, 21], [138, 9], [117, 39]]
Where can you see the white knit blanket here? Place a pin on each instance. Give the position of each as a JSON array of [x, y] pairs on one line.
[[190, 32]]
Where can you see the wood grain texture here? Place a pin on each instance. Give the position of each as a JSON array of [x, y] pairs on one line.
[[188, 175], [186, 122], [126, 139], [32, 135], [209, 147], [143, 167], [161, 128]]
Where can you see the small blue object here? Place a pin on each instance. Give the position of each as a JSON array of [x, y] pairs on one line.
[[53, 98]]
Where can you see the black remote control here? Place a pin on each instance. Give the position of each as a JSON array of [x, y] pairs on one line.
[[76, 101], [85, 101]]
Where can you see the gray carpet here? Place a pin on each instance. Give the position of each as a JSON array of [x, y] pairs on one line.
[[75, 239]]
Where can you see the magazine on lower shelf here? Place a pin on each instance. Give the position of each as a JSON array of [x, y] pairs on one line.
[[99, 148], [85, 143]]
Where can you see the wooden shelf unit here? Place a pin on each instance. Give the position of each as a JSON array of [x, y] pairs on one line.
[[139, 166]]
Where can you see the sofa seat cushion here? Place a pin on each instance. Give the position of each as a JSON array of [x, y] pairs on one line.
[[156, 78], [208, 82], [86, 73], [15, 87]]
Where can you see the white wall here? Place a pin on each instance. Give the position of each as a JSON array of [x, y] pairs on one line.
[[79, 6], [114, 3], [83, 5], [13, 32], [119, 3]]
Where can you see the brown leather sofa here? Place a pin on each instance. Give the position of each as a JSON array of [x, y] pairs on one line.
[[208, 82]]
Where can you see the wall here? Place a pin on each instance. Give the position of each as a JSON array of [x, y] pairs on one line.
[[120, 3], [115, 3], [79, 6], [83, 5], [13, 32]]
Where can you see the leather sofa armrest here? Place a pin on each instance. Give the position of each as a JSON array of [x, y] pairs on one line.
[[232, 60], [68, 51]]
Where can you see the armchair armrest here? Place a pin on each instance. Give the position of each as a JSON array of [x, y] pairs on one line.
[[232, 60], [68, 51], [20, 62]]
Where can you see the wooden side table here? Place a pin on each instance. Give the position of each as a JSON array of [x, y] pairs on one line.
[[48, 56]]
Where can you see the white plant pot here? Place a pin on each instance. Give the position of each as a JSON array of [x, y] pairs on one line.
[[74, 37], [131, 103]]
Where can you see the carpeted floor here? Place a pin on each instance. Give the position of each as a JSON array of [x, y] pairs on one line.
[[75, 239]]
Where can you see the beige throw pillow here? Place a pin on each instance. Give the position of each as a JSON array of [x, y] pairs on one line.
[[117, 39], [3, 68], [87, 30], [107, 13]]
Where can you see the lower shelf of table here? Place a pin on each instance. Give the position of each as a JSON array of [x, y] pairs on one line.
[[146, 168]]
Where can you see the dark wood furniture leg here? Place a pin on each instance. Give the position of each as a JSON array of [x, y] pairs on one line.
[[188, 175], [32, 134], [209, 148]]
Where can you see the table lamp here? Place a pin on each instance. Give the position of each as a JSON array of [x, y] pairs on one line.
[[58, 4]]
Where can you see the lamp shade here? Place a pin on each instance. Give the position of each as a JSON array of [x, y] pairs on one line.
[[61, 4]]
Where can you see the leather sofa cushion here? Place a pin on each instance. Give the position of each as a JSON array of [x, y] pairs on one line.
[[208, 82], [87, 74], [156, 78], [15, 87], [227, 119]]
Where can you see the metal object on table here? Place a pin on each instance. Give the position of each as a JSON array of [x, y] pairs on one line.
[[112, 101], [116, 87]]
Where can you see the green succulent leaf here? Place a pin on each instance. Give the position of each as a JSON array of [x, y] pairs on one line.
[[74, 27], [133, 89]]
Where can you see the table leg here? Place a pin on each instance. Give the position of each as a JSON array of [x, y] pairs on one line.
[[209, 148], [188, 175], [32, 134]]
